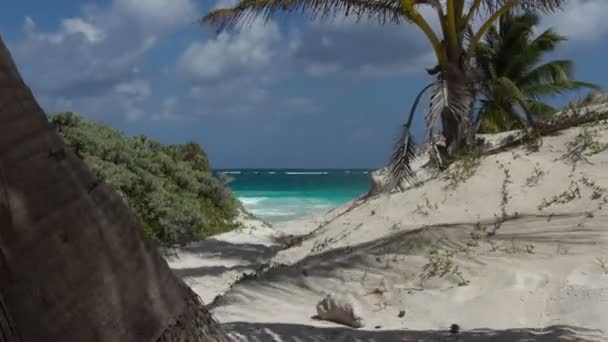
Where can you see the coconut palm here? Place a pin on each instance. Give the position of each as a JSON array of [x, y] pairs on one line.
[[512, 80], [74, 263], [453, 94]]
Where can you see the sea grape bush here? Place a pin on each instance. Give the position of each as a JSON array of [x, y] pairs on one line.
[[171, 187]]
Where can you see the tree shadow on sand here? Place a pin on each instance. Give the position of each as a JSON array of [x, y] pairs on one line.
[[211, 248], [262, 332]]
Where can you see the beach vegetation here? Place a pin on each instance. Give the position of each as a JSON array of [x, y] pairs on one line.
[[536, 176], [171, 187], [460, 171], [585, 144], [573, 192], [602, 263], [440, 264]]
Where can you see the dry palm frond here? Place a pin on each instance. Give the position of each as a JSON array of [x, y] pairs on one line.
[[400, 169], [534, 5], [391, 11], [438, 103]]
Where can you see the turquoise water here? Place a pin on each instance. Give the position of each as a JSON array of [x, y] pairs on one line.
[[284, 195]]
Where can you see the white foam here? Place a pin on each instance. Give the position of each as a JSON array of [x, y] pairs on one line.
[[306, 173], [231, 172], [272, 212], [251, 200]]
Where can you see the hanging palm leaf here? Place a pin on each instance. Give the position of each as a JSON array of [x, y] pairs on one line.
[[437, 104], [404, 151]]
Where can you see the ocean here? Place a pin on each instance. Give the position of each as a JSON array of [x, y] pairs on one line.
[[283, 195]]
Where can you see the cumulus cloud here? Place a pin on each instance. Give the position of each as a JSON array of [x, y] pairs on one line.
[[231, 55], [136, 88], [363, 48], [581, 21], [69, 28], [161, 14], [93, 61]]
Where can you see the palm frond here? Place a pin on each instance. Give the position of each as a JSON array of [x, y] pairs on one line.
[[400, 169], [548, 40], [551, 72], [511, 77], [557, 88], [528, 5], [494, 118], [437, 104], [540, 109], [245, 11]]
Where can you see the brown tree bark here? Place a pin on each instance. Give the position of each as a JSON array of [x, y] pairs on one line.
[[456, 124], [74, 263]]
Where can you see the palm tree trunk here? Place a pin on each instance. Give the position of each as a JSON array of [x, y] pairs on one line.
[[74, 263], [455, 119]]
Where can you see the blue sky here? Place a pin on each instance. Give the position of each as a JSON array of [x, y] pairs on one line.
[[289, 93]]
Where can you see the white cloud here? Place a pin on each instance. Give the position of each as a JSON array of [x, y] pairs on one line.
[[71, 27], [582, 21], [159, 13], [136, 88], [94, 62], [231, 54], [78, 26], [361, 48]]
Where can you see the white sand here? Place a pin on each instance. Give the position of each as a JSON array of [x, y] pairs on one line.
[[541, 269]]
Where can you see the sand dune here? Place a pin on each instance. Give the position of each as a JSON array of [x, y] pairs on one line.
[[518, 251]]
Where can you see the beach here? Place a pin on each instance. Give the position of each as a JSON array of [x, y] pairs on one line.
[[283, 195], [516, 249]]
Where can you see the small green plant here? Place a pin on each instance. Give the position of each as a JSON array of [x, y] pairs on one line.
[[513, 249], [530, 249], [460, 171], [479, 231], [597, 192], [602, 263], [498, 221], [584, 145], [504, 190], [561, 250], [475, 237], [533, 142], [494, 245], [425, 208], [567, 196], [320, 245], [441, 263], [535, 177]]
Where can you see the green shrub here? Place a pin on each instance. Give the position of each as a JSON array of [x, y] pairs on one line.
[[170, 187]]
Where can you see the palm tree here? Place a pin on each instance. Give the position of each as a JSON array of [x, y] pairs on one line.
[[453, 93], [511, 79], [74, 263]]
